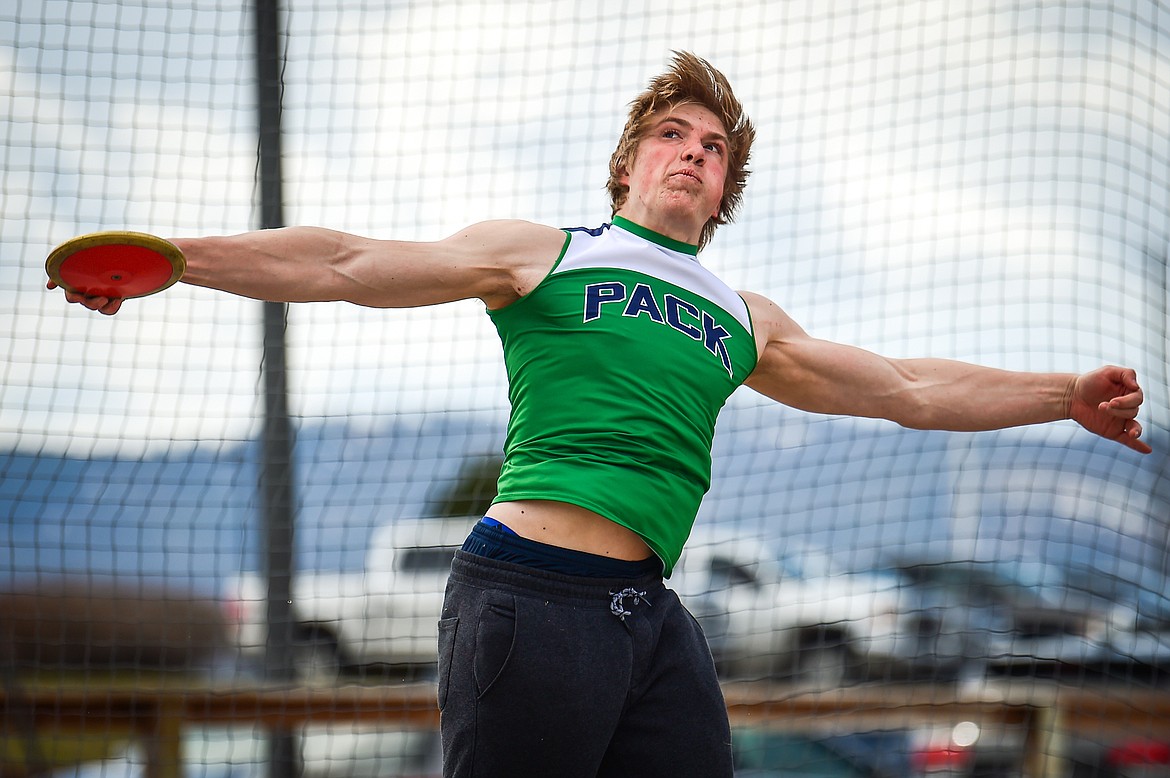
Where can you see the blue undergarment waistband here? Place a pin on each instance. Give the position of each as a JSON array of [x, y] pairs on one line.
[[493, 540]]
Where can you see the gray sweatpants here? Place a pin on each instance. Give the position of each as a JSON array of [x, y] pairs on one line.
[[542, 674]]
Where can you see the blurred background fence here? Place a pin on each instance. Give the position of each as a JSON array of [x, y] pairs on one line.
[[988, 181]]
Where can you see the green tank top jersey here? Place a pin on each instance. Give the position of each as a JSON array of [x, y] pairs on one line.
[[618, 364]]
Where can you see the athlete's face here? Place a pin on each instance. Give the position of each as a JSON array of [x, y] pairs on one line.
[[678, 170]]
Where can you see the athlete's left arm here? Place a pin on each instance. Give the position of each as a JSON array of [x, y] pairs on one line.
[[824, 377]]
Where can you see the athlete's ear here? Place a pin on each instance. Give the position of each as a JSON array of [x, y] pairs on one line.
[[623, 167], [719, 205]]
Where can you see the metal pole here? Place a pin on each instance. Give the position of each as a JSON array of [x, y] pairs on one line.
[[276, 473]]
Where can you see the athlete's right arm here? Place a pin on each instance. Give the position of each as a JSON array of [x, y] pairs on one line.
[[495, 261]]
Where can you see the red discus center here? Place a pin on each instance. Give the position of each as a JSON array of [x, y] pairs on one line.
[[116, 271]]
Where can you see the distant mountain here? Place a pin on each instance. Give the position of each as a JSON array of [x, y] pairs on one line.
[[869, 491], [872, 491]]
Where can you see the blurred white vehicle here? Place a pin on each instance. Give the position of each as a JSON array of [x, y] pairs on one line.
[[387, 614], [1137, 616], [765, 613], [1010, 616], [771, 611]]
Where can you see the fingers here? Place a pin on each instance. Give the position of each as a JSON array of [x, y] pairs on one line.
[[1121, 398], [1133, 396], [1122, 407], [1131, 431], [1129, 395], [99, 304], [104, 305], [1129, 379], [110, 307]]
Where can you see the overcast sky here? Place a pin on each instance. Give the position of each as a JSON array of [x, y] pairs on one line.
[[980, 180]]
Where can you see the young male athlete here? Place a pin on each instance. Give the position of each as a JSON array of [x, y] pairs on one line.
[[562, 654]]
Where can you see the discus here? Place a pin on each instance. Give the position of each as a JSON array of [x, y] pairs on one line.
[[116, 264]]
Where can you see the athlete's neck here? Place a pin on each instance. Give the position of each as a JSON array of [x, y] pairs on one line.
[[665, 239]]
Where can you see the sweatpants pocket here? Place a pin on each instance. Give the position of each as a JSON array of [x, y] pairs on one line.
[[447, 630], [494, 638]]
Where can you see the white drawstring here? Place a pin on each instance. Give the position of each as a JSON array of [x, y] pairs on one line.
[[617, 605]]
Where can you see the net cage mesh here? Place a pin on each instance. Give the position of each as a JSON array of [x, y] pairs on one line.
[[983, 181]]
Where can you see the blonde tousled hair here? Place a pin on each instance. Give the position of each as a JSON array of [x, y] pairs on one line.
[[689, 80]]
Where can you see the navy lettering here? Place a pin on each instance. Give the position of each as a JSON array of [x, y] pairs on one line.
[[674, 307], [597, 295], [642, 302], [680, 315], [713, 336]]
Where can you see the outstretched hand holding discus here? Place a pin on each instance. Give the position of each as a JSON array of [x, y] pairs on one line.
[[101, 269]]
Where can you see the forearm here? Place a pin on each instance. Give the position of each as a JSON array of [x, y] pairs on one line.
[[295, 264], [949, 395]]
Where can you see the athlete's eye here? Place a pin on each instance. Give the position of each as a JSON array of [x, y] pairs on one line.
[[671, 133], [714, 148]]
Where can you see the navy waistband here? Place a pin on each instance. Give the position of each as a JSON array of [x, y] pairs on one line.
[[492, 540]]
